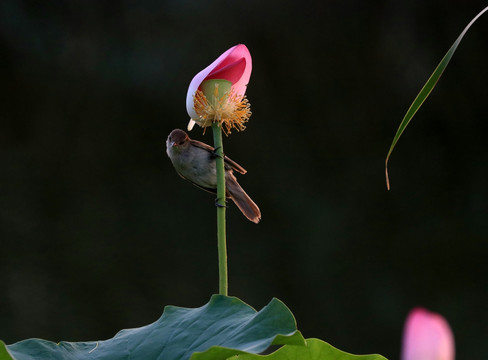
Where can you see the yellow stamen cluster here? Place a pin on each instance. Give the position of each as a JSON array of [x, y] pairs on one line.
[[231, 110]]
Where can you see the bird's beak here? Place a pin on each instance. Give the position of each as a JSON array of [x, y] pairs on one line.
[[173, 144]]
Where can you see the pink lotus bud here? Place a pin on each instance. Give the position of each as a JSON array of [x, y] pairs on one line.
[[427, 336], [234, 66]]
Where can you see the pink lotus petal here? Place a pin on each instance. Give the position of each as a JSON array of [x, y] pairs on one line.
[[234, 65], [427, 336]]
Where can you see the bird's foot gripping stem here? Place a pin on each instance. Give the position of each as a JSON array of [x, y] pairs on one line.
[[218, 204], [215, 155]]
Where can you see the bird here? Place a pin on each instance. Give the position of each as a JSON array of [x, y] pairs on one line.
[[195, 161]]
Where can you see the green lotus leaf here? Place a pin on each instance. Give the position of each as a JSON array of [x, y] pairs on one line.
[[225, 326], [314, 350], [219, 352]]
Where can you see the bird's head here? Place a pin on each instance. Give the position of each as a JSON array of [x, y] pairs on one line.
[[177, 139]]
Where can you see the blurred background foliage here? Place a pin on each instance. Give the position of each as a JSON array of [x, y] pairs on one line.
[[98, 233]]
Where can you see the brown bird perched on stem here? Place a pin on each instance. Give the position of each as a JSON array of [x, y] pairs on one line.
[[195, 162]]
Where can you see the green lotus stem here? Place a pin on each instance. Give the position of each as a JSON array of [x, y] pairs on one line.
[[221, 238], [215, 91]]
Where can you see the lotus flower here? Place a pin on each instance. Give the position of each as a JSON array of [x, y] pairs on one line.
[[229, 105], [427, 336]]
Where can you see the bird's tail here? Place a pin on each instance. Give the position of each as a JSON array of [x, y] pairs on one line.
[[241, 199]]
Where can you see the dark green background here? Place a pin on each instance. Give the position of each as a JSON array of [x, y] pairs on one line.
[[98, 233]]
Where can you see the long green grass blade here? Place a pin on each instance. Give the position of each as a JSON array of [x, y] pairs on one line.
[[425, 91]]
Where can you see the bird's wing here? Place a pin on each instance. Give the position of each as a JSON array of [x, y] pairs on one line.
[[213, 191], [229, 163]]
